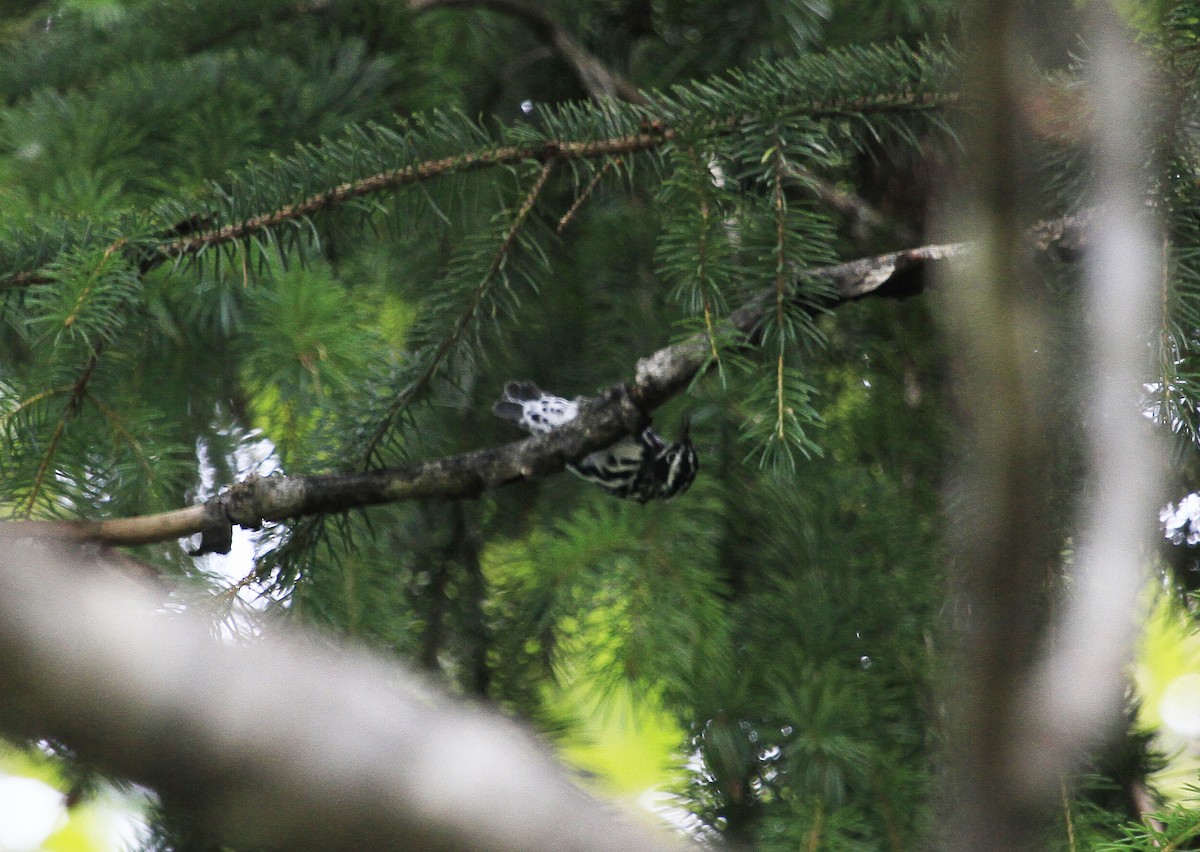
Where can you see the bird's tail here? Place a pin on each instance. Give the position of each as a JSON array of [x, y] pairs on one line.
[[510, 406]]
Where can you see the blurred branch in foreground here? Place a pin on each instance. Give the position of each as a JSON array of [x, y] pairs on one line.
[[1077, 696], [1021, 727], [285, 743]]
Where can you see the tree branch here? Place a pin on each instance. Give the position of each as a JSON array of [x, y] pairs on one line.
[[192, 235], [78, 392], [597, 79], [448, 342], [621, 410], [287, 743], [458, 164]]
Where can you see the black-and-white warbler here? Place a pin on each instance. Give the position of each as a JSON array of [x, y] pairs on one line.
[[641, 467]]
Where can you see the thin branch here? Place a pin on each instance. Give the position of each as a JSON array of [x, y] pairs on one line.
[[459, 164], [586, 193], [79, 389], [189, 236], [26, 278], [450, 340], [78, 392], [861, 213], [1188, 832], [128, 532], [596, 78], [33, 400], [1145, 806], [118, 426], [194, 240], [230, 594], [706, 217], [781, 283], [1068, 817]]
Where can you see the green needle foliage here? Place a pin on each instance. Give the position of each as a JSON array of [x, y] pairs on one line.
[[330, 232]]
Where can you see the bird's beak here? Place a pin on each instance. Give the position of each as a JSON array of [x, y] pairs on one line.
[[684, 428]]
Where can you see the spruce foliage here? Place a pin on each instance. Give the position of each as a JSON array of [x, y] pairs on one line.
[[330, 232]]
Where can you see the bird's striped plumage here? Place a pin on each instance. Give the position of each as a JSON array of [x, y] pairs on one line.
[[640, 467]]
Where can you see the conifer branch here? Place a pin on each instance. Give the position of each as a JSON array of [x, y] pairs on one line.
[[863, 217], [26, 403], [781, 284], [602, 420], [194, 234], [230, 594], [194, 241], [119, 427], [430, 169], [27, 278], [126, 532], [586, 193], [702, 250], [450, 340], [70, 409], [595, 77]]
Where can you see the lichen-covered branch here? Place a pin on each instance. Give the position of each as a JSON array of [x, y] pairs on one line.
[[623, 409]]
